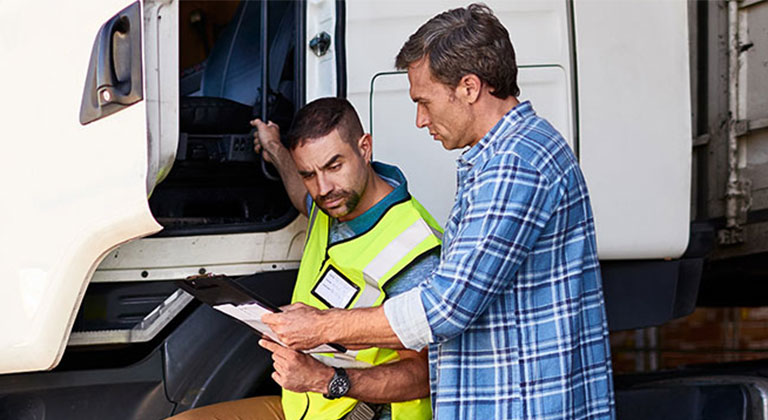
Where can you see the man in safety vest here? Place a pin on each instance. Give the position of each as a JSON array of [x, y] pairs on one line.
[[367, 239]]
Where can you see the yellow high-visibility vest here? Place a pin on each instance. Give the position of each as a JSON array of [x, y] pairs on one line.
[[352, 273]]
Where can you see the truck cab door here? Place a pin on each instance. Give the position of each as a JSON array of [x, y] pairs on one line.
[[87, 135]]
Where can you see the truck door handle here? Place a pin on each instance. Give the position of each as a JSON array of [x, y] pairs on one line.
[[113, 77], [114, 80]]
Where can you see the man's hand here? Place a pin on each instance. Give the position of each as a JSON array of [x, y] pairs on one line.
[[267, 139], [296, 371], [299, 326], [302, 327]]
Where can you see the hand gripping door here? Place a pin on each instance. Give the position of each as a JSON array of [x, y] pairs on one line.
[[72, 192]]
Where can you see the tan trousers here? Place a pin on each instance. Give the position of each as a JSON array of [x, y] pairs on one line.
[[257, 408]]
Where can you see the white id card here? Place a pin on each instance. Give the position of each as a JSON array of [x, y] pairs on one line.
[[335, 290]]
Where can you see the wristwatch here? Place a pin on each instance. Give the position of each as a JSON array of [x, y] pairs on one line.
[[339, 385]]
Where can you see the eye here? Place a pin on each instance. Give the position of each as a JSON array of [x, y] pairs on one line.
[[308, 176], [335, 167]]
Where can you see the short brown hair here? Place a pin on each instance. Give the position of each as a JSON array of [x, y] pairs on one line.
[[465, 41], [321, 116]]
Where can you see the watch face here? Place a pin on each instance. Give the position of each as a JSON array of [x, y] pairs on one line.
[[338, 387]]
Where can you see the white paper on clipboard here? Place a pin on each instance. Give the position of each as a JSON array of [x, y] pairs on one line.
[[251, 314]]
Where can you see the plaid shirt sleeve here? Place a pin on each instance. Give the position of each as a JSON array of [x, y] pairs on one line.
[[507, 209]]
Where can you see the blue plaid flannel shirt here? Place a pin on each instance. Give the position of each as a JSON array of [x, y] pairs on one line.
[[515, 309]]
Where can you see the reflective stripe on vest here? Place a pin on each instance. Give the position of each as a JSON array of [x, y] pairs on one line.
[[390, 256], [368, 261]]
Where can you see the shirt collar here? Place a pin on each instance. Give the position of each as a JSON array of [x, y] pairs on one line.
[[477, 154]]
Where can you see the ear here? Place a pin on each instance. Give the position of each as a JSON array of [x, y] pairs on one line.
[[469, 88], [365, 146]]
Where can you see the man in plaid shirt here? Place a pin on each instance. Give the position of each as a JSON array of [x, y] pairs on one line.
[[514, 314]]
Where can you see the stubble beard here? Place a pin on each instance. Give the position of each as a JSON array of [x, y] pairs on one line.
[[351, 200]]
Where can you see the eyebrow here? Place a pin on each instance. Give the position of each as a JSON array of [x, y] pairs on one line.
[[330, 162]]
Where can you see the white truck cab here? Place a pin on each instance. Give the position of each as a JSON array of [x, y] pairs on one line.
[[129, 165]]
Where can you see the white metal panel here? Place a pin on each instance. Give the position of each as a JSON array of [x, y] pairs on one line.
[[161, 78], [70, 192], [170, 258], [635, 124], [375, 32], [320, 71], [430, 169]]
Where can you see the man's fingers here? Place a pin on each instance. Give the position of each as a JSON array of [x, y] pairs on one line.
[[281, 366], [270, 345], [270, 319], [261, 125], [277, 378], [256, 139], [277, 362], [293, 307], [278, 352]]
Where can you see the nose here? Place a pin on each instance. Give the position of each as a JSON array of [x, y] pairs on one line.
[[324, 185], [422, 117]]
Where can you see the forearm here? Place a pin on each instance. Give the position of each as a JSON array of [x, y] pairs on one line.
[[359, 328], [267, 142], [301, 327], [292, 182], [404, 380]]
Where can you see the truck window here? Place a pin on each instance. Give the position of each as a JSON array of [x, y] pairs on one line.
[[217, 182]]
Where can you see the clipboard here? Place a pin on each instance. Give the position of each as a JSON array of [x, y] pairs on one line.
[[230, 298], [219, 289]]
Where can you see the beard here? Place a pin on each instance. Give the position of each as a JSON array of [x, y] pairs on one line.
[[350, 201]]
